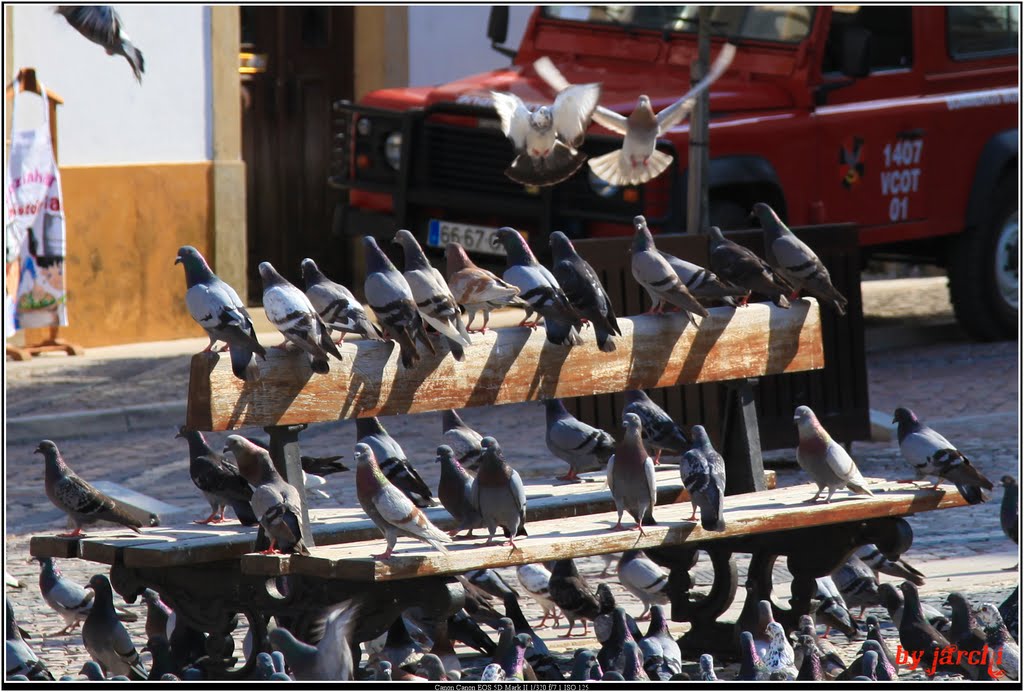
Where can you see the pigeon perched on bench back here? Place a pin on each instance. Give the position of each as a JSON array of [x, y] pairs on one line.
[[290, 311], [102, 25], [652, 270], [703, 283], [823, 459], [476, 288], [106, 639], [631, 476], [584, 290], [741, 267], [389, 295], [336, 305]]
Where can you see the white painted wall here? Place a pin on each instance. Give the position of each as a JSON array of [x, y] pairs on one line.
[[107, 117], [446, 43]]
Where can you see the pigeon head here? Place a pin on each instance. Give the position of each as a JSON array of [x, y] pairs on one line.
[[707, 664], [363, 454], [456, 259], [444, 453], [605, 598], [413, 253], [269, 275], [431, 668], [1008, 482], [311, 273], [716, 235], [515, 246], [48, 449], [196, 268], [376, 260], [643, 116], [700, 436], [904, 416], [542, 119], [631, 422], [491, 444], [642, 238], [766, 216], [870, 661], [989, 617], [253, 461], [777, 634], [101, 586], [561, 246], [803, 416], [806, 621]]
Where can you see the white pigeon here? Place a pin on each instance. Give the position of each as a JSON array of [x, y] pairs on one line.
[[290, 311]]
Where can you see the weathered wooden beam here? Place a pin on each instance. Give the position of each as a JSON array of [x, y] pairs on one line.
[[508, 365]]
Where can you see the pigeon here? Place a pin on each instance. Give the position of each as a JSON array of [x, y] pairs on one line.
[[1009, 509], [445, 652], [161, 663], [290, 311], [336, 305], [431, 668], [455, 490], [652, 271], [463, 440], [643, 578], [585, 666], [831, 609], [490, 582], [216, 307], [393, 462], [874, 666], [606, 615], [434, 300], [72, 601], [539, 289], [631, 476], [638, 161], [331, 657], [707, 668], [498, 494], [275, 502], [389, 295], [570, 592], [393, 513], [75, 497], [824, 459], [632, 667], [538, 655], [584, 290], [703, 284], [160, 619], [19, 659], [658, 630], [806, 651], [218, 480], [857, 583], [892, 601], [916, 633], [754, 618], [1005, 651], [779, 657], [873, 558], [477, 289], [875, 634], [1008, 611], [930, 454], [546, 138], [795, 262], [660, 432], [751, 665], [611, 655], [583, 447], [102, 25], [493, 672], [966, 634], [535, 579], [463, 628], [702, 470], [741, 267], [106, 639]]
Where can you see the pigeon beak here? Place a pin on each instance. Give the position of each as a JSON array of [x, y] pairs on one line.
[[39, 450], [177, 260]]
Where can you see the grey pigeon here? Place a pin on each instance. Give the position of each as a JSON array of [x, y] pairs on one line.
[[703, 284], [434, 300], [875, 634], [216, 307], [795, 262], [584, 290], [275, 502], [218, 480], [638, 161], [19, 659], [966, 634], [290, 311], [393, 462], [605, 619], [660, 432], [106, 639], [702, 470], [336, 305], [102, 25], [631, 476], [536, 579], [632, 666], [392, 512], [832, 610], [823, 459], [857, 583], [539, 289], [161, 661], [546, 138], [389, 295], [477, 289], [585, 666], [331, 658], [160, 619], [1009, 509], [643, 578], [514, 612], [707, 668], [82, 503], [1005, 650], [892, 601], [491, 582], [751, 665], [583, 447], [806, 651], [931, 454], [652, 271], [498, 493], [916, 633], [611, 654], [879, 563], [431, 668], [570, 592], [72, 601], [455, 490], [741, 267], [463, 440], [871, 663]]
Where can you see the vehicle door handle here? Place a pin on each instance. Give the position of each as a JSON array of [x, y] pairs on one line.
[[916, 133]]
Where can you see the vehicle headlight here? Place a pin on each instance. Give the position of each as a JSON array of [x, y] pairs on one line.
[[393, 149], [600, 187]]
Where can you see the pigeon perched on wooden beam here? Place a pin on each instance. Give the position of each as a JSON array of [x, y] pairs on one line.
[[455, 490], [582, 446], [741, 267], [660, 432], [290, 311], [652, 271], [477, 289], [106, 639], [824, 460], [393, 462], [389, 296], [498, 494], [102, 25], [704, 284], [584, 290], [631, 476], [218, 480], [336, 305], [702, 470]]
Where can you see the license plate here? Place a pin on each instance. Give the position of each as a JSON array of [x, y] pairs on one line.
[[473, 238]]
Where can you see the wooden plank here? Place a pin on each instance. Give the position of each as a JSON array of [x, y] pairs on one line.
[[53, 546], [508, 365], [753, 513]]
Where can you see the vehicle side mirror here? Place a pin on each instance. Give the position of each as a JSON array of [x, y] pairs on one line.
[[497, 24], [855, 52]]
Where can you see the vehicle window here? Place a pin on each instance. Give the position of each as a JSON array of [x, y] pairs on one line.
[[982, 30], [887, 31]]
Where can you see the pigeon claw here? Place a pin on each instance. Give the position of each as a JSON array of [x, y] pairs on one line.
[[73, 534]]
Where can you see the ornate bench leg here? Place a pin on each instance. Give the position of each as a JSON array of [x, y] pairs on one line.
[[284, 450]]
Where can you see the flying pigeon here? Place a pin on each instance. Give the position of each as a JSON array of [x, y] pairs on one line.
[[216, 307], [583, 447], [274, 501], [102, 25], [393, 513], [1009, 509], [1005, 650], [930, 454], [82, 503], [434, 300], [336, 305], [702, 470], [290, 311], [331, 657], [631, 476], [741, 267], [536, 579], [477, 289], [106, 639], [464, 441], [570, 592], [539, 289], [652, 271], [584, 290], [703, 284], [389, 295], [218, 480], [455, 490], [393, 462], [498, 493], [643, 578], [19, 658], [823, 459], [638, 161], [546, 139], [795, 262], [879, 563], [660, 432]]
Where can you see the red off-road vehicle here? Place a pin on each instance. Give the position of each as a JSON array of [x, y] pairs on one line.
[[903, 120]]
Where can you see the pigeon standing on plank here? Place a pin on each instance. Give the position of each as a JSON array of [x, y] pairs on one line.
[[795, 262], [434, 300], [275, 501], [652, 271], [539, 289], [931, 454], [216, 307], [106, 639], [741, 267], [584, 290], [1009, 509], [702, 470], [455, 490], [19, 658], [331, 658], [536, 579], [643, 578], [389, 295], [464, 441], [824, 460], [75, 497], [290, 311], [102, 25], [570, 592], [475, 288], [392, 512], [498, 494], [218, 480], [703, 283], [879, 563], [583, 447], [393, 462], [336, 305], [631, 476], [660, 432]]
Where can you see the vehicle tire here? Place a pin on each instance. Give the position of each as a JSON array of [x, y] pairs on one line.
[[729, 215], [983, 270]]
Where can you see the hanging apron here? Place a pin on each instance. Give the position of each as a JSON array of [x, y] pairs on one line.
[[34, 242]]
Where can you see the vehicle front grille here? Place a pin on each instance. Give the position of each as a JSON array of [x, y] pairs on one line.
[[464, 158]]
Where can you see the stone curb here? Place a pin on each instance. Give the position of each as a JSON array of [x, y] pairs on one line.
[[97, 421]]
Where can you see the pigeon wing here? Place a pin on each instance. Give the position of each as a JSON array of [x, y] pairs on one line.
[[672, 115], [574, 107], [515, 118], [608, 119]]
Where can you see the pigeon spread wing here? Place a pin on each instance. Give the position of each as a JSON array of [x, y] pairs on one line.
[[515, 118], [573, 110], [608, 119], [674, 114]]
